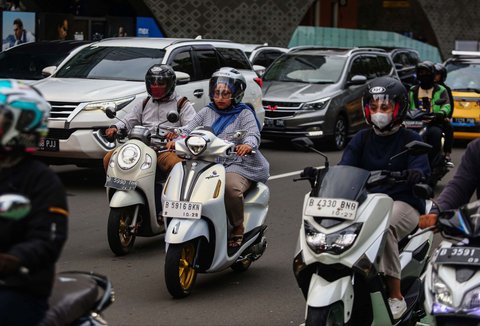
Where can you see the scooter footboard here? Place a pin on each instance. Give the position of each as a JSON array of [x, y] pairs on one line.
[[322, 293], [183, 230]]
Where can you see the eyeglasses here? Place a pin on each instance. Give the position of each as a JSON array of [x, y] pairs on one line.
[[223, 94]]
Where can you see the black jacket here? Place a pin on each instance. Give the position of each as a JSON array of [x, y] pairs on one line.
[[37, 239]]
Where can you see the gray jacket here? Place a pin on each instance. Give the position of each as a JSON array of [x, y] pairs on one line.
[[156, 112]]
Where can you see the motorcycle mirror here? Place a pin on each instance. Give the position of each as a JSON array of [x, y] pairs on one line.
[[417, 147], [111, 111], [423, 191], [173, 116], [239, 134], [302, 143], [14, 207]]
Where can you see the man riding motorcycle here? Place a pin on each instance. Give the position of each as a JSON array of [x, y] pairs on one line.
[[432, 98]]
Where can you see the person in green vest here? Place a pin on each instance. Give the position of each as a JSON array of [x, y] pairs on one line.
[[433, 98]]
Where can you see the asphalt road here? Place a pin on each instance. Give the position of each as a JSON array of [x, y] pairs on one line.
[[266, 294]]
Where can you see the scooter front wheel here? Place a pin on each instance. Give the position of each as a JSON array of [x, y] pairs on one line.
[[120, 234], [180, 274], [331, 315]]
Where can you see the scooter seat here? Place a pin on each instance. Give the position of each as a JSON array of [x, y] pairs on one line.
[[73, 296]]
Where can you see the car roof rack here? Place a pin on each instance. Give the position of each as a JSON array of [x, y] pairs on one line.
[[339, 49]]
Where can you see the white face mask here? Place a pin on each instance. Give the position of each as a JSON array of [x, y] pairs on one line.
[[381, 120]]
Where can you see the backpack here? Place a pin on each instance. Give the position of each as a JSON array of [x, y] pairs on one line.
[[180, 103]]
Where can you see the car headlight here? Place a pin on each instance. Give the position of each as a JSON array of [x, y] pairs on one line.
[[334, 243], [317, 105], [116, 104], [442, 292], [196, 144], [128, 156]]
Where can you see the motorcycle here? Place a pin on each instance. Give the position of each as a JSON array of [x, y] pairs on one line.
[[418, 120], [194, 211], [340, 242], [452, 278], [133, 185], [78, 298]]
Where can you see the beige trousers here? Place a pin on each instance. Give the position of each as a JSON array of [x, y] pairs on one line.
[[235, 187]]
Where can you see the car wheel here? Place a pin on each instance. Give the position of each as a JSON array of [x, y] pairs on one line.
[[339, 138]]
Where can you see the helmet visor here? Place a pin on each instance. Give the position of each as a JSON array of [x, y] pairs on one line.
[[222, 88], [381, 102]]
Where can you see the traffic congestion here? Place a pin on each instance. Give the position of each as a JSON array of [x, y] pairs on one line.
[[198, 181]]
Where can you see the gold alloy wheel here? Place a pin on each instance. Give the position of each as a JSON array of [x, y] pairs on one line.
[[186, 272]]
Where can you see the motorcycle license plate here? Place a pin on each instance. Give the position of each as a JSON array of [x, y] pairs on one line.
[[331, 207], [458, 256], [120, 184], [182, 209], [413, 124]]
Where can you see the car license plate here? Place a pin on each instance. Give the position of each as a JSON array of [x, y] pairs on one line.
[[279, 123], [182, 209], [48, 145], [458, 256], [120, 184], [463, 122], [331, 207], [413, 124]]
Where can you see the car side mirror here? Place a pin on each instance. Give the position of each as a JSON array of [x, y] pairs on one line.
[[260, 70], [182, 77], [357, 80], [48, 71]]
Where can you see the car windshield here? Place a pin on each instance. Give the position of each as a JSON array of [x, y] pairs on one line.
[[28, 63], [463, 76], [311, 69], [111, 63]]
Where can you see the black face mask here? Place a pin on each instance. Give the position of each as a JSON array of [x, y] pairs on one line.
[[426, 81]]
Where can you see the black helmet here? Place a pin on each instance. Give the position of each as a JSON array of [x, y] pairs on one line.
[[160, 81], [234, 81], [442, 71], [425, 74], [386, 89]]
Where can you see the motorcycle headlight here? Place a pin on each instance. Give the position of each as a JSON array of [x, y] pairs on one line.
[[442, 292], [317, 105], [116, 104], [128, 156], [334, 243], [471, 301], [196, 145]]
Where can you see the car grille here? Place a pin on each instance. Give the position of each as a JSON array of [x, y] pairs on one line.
[[280, 109], [61, 110], [60, 133]]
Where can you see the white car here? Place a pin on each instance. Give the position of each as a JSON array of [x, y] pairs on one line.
[[112, 72], [262, 55]]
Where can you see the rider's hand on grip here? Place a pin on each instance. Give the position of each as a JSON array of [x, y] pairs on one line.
[[427, 220], [170, 136], [243, 149], [439, 116], [413, 176], [110, 133], [8, 264], [170, 145]]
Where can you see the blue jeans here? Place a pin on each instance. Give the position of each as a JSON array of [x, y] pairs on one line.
[[21, 308]]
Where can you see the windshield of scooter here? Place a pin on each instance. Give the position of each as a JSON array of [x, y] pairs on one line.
[[343, 181], [471, 213]]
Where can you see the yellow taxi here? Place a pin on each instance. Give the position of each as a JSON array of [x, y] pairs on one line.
[[463, 77]]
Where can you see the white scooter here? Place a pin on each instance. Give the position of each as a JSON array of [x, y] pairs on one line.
[[452, 278], [340, 242], [133, 187], [194, 211]]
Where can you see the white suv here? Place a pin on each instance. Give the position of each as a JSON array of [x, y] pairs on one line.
[[112, 72]]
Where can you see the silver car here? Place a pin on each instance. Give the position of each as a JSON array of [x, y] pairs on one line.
[[112, 73], [316, 92]]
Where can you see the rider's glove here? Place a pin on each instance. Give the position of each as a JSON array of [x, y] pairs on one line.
[[8, 264], [439, 116], [413, 176]]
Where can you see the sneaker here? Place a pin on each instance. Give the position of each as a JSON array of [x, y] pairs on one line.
[[397, 307]]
